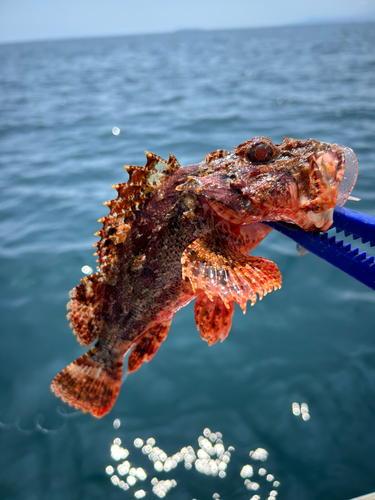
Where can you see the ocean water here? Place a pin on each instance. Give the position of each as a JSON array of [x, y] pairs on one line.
[[312, 342]]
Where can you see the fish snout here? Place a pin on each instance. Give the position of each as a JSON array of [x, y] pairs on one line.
[[336, 167], [337, 170]]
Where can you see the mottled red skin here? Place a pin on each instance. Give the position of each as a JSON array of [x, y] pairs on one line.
[[213, 208]]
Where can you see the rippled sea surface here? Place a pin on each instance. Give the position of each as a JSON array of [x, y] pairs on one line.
[[312, 342]]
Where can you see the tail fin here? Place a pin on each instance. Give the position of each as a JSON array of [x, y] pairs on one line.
[[91, 383]]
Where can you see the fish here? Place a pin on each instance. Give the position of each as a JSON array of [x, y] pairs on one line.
[[174, 234]]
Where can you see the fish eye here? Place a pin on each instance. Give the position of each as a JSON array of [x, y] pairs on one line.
[[259, 153]]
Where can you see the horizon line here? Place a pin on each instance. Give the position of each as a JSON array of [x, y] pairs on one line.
[[307, 22]]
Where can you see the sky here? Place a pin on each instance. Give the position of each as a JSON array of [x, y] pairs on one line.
[[27, 20]]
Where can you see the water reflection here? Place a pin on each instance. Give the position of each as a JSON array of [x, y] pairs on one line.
[[86, 269], [161, 488], [38, 425], [259, 454], [140, 494], [302, 411], [211, 458]]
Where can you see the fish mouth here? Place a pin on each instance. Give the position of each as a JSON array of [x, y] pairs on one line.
[[336, 169], [349, 178], [322, 220]]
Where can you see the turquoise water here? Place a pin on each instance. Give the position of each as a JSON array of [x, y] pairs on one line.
[[311, 342]]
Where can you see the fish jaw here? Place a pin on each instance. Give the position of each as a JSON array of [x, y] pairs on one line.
[[328, 167]]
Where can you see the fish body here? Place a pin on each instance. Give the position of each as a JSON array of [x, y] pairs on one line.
[[178, 233]]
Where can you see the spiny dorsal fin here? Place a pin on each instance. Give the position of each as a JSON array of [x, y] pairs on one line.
[[173, 163], [216, 155], [132, 197]]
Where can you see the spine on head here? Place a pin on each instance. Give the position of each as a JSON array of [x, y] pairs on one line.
[[91, 383]]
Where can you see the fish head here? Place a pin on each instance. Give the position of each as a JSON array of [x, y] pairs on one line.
[[295, 181]]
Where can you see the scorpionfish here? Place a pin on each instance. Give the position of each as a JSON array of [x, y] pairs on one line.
[[178, 233]]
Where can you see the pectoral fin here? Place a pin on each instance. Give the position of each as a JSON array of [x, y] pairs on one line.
[[213, 318], [211, 266], [145, 349]]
